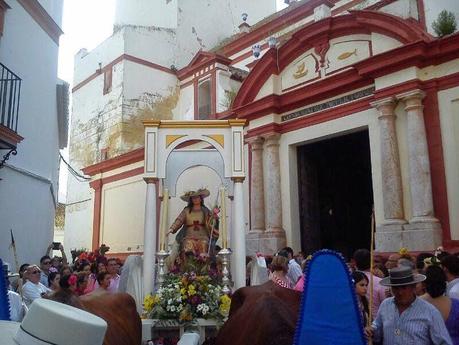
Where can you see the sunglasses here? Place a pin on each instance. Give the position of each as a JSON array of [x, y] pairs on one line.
[[46, 262]]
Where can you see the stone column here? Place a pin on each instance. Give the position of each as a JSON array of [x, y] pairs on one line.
[[424, 231], [257, 194], [149, 247], [274, 237], [238, 238], [273, 192], [390, 167]]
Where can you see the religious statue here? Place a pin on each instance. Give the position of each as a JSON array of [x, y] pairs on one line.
[[197, 224]]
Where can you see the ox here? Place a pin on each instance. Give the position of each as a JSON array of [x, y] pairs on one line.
[[261, 315]]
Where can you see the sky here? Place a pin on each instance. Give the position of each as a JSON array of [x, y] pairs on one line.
[[86, 24]]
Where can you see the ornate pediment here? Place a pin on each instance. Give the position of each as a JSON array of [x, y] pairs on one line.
[[328, 58]]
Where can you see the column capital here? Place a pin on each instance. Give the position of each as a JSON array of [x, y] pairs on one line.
[[385, 107], [272, 138], [384, 102], [238, 179], [413, 99], [149, 180], [256, 143]]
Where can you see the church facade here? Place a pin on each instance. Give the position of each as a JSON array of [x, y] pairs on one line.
[[350, 106]]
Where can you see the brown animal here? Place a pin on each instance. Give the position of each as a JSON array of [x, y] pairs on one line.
[[261, 315], [119, 310]]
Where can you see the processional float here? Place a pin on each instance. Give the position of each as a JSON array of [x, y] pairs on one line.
[[162, 167]]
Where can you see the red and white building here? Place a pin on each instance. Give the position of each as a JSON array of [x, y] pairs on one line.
[[350, 105], [33, 126]]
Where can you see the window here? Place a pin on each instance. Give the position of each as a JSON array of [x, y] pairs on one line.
[[108, 80], [3, 7], [204, 100]]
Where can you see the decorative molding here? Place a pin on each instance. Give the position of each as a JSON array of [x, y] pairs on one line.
[[120, 58], [238, 179], [219, 138], [149, 180], [329, 104], [134, 156], [194, 123], [171, 138], [42, 18], [201, 60], [8, 136], [123, 175], [317, 36], [279, 22]]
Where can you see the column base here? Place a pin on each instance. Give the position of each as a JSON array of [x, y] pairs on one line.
[[414, 236], [422, 236], [268, 242]]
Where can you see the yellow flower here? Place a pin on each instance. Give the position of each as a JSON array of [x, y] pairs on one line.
[[183, 291], [225, 304], [403, 251], [191, 290], [149, 302]]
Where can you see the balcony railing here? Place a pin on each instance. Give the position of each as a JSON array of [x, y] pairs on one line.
[[10, 93]]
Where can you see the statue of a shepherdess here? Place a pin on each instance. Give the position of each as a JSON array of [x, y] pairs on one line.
[[197, 226]]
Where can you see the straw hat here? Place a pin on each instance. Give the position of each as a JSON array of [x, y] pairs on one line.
[[202, 192], [49, 322], [401, 276]]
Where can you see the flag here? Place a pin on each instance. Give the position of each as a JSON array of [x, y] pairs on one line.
[[12, 244]]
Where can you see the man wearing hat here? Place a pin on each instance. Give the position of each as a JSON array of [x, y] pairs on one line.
[[404, 318], [195, 223]]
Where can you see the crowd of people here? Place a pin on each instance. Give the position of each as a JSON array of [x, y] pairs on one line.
[[415, 298], [54, 278]]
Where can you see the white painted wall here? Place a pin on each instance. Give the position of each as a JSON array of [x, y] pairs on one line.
[[448, 102], [28, 185], [146, 13], [217, 20]]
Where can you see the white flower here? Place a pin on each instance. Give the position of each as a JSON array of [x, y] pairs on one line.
[[179, 308], [169, 301], [172, 308]]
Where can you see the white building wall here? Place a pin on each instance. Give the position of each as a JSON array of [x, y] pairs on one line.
[[448, 102], [28, 185], [217, 20], [146, 13], [166, 33]]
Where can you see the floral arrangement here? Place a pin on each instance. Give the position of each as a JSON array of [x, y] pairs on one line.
[[83, 254], [188, 297]]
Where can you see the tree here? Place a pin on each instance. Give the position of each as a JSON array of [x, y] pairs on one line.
[[445, 23]]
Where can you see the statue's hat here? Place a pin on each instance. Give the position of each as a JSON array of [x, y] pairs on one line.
[[202, 192]]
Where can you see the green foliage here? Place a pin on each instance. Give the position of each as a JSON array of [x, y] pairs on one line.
[[445, 24], [230, 95]]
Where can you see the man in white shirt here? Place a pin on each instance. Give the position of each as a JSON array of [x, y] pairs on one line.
[[294, 269], [18, 309], [450, 265], [33, 289], [112, 269]]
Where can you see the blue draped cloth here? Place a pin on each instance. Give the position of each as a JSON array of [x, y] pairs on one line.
[[329, 313], [4, 300]]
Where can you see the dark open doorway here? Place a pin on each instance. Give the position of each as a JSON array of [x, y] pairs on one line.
[[335, 191]]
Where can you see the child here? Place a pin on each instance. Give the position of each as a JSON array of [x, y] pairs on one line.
[[361, 285]]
